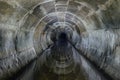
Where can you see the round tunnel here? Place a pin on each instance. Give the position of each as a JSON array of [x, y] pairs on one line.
[[30, 28]]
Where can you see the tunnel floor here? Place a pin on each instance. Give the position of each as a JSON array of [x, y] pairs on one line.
[[38, 70]]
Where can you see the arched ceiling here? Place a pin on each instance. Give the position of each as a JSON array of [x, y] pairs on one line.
[[26, 28]]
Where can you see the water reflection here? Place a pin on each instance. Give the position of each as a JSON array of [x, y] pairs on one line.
[[46, 68]]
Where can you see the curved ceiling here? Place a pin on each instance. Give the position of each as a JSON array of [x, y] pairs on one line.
[[26, 28]]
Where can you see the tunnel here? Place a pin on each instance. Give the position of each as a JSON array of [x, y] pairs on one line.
[[59, 39]]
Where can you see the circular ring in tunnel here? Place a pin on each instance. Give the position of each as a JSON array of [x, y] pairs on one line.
[[47, 33]]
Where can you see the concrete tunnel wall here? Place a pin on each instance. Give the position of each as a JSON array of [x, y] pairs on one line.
[[94, 30]]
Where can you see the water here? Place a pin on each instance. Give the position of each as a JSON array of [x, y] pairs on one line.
[[79, 69]]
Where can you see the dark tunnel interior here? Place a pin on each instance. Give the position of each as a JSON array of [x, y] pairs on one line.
[[59, 39], [62, 36]]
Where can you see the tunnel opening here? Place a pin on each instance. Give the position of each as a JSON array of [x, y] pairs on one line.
[[62, 40], [62, 36]]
